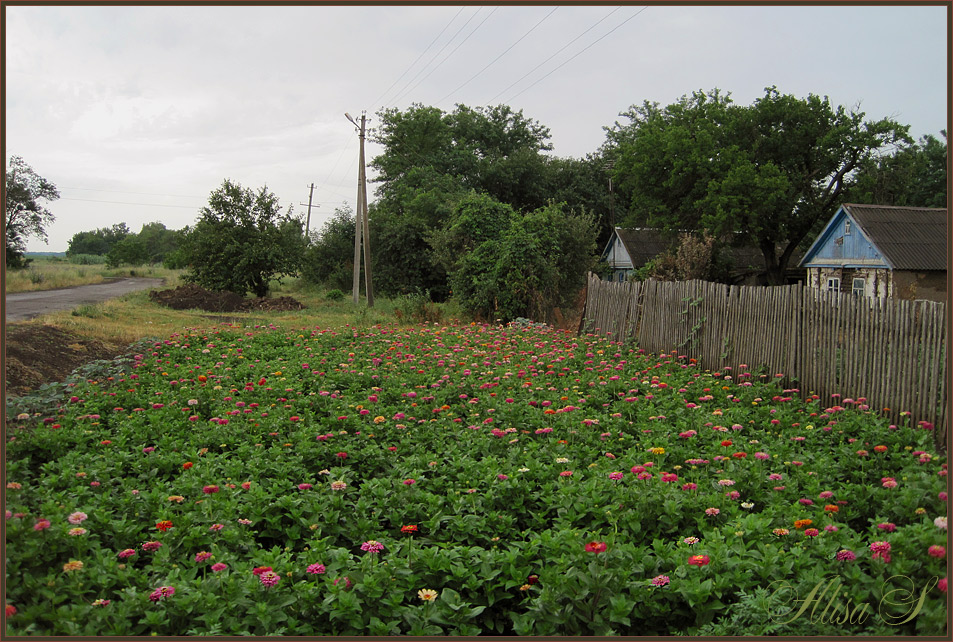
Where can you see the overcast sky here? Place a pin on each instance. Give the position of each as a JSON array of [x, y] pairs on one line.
[[138, 113]]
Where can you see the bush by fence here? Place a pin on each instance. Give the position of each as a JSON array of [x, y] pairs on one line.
[[890, 352]]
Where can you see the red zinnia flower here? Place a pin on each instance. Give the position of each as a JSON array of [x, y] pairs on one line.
[[187, 465], [258, 570], [698, 560], [409, 528], [164, 525], [595, 547], [341, 455], [726, 443], [208, 490]]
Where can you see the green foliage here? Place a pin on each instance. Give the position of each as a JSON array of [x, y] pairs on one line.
[[24, 214], [242, 241], [131, 250], [87, 259], [774, 171], [915, 175], [99, 241], [534, 265], [334, 295], [329, 259]]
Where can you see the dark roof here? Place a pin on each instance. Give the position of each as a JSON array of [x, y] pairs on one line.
[[644, 244], [910, 238]]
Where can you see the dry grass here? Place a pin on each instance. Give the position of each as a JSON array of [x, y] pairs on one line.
[[46, 274]]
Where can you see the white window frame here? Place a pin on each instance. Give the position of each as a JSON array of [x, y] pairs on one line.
[[847, 228], [858, 290], [833, 284]]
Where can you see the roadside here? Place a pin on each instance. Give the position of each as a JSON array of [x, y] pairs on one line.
[[27, 305]]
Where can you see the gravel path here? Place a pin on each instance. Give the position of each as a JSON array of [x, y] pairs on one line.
[[26, 305]]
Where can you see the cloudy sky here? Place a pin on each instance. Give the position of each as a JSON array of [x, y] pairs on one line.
[[137, 113]]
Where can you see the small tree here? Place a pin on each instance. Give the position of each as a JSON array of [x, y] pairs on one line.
[[24, 214], [329, 260], [241, 241]]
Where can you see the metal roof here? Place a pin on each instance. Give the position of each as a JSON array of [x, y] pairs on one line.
[[910, 238]]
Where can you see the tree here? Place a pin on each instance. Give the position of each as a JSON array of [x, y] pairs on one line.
[[775, 171], [132, 250], [99, 241], [431, 160], [25, 215], [329, 259], [241, 241], [914, 176], [538, 263]]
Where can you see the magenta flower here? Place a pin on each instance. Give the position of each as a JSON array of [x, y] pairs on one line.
[[616, 475], [660, 580], [218, 567], [208, 490], [41, 524], [305, 486], [502, 477], [151, 546], [372, 546], [845, 555], [216, 527], [316, 569], [161, 592], [269, 579], [689, 486], [127, 552], [409, 482], [936, 551], [887, 526], [202, 556]]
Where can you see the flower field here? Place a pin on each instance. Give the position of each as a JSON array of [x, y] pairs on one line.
[[464, 480]]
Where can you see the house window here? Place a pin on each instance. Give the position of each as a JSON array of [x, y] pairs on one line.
[[833, 284], [846, 228], [621, 277], [857, 287]]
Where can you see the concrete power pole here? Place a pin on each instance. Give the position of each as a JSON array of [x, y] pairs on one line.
[[361, 227], [307, 225]]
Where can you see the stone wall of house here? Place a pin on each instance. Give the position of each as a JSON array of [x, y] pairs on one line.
[[930, 286]]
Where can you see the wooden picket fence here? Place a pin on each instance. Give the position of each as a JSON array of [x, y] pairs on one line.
[[890, 352]]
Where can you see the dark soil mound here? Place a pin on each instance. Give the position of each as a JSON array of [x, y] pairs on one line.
[[38, 354], [194, 297]]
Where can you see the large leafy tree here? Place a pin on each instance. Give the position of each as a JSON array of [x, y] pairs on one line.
[[915, 175], [771, 173], [242, 241], [25, 213], [99, 241]]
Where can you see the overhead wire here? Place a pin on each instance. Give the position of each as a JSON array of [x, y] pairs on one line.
[[559, 51], [490, 64], [429, 62], [447, 26], [578, 53], [447, 57]]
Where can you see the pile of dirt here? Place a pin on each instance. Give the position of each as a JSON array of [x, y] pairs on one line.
[[39, 354], [195, 297]]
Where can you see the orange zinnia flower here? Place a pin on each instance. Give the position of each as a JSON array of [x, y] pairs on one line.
[[801, 523]]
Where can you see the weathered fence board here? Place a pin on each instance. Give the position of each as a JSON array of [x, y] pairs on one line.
[[891, 353]]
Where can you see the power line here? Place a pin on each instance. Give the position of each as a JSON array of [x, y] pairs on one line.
[[500, 56], [447, 57], [116, 191], [563, 48], [578, 54], [420, 56], [92, 200]]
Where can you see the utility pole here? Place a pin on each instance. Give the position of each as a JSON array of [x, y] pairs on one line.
[[307, 225], [361, 226]]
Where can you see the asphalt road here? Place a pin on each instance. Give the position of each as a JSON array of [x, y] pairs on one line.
[[26, 305]]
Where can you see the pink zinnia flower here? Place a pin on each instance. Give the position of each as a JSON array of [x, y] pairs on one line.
[[269, 578], [689, 486], [41, 524], [936, 551], [77, 531], [372, 546], [305, 486], [218, 566], [615, 475], [202, 556], [216, 527], [812, 532], [316, 569], [502, 477], [566, 473], [595, 547], [76, 518], [341, 455], [711, 512], [942, 585], [208, 490], [887, 526], [161, 592], [151, 546], [844, 555], [698, 560], [660, 580], [258, 570], [410, 482], [126, 552]]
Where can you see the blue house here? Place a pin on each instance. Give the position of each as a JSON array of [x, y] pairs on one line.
[[881, 251]]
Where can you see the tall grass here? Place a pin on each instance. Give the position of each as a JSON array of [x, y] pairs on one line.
[[50, 274]]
